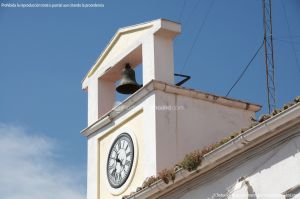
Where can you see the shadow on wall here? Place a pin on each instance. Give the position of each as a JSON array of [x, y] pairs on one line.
[[251, 193]]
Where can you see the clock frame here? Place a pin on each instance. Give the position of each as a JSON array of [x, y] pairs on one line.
[[120, 160]]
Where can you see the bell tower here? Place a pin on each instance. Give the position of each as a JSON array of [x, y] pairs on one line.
[[158, 123]]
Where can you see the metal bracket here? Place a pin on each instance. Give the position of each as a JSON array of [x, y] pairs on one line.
[[186, 78]]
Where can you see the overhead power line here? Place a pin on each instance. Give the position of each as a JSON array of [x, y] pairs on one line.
[[181, 11], [287, 41], [290, 35], [197, 35], [245, 69], [192, 13]]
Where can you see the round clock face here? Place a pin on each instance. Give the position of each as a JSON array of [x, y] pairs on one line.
[[120, 160]]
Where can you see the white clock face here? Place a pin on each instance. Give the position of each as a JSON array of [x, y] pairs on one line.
[[120, 160]]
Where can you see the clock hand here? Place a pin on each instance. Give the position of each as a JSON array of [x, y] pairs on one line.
[[118, 160]]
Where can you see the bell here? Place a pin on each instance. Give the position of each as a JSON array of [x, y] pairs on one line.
[[128, 84]]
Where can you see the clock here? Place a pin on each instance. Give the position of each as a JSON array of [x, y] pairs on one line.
[[120, 160]]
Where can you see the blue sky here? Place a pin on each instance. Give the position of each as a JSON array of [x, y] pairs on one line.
[[45, 53]]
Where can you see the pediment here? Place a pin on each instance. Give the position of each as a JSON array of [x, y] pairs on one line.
[[127, 40]]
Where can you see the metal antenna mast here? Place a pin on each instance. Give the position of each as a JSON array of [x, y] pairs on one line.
[[269, 54]]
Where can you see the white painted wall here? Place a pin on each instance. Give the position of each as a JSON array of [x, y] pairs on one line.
[[270, 174], [158, 61], [196, 124]]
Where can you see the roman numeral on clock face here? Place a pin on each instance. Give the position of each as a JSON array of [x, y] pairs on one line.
[[127, 163], [120, 160]]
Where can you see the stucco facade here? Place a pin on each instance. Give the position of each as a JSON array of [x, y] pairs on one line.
[[163, 136], [263, 162], [164, 121]]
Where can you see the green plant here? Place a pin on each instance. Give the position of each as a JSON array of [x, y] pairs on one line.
[[177, 167], [234, 134], [167, 175], [192, 161], [254, 124], [276, 111], [286, 106], [264, 117], [149, 181]]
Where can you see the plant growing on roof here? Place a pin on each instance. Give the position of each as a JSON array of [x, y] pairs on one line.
[[167, 175], [191, 161], [149, 181]]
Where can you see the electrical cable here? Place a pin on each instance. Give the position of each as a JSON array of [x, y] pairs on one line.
[[197, 35], [245, 69], [290, 35], [181, 12], [192, 12], [287, 41]]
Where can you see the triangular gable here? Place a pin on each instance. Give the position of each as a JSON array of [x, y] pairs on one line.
[[128, 37]]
